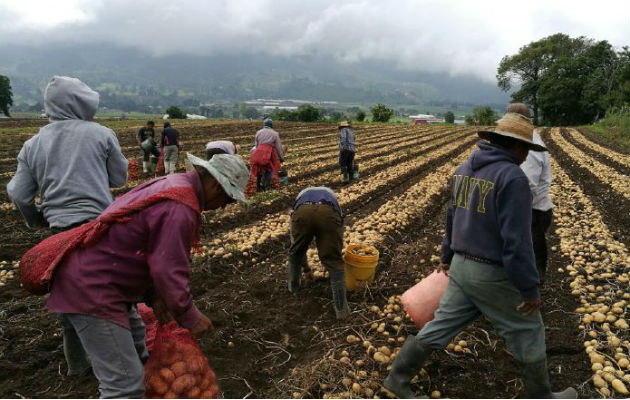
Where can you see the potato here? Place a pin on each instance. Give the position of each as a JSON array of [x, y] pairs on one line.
[[183, 383], [179, 368], [619, 387], [210, 393], [170, 395], [193, 393], [599, 382], [204, 383], [157, 385], [167, 375], [195, 365]]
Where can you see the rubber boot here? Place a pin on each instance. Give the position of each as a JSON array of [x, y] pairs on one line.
[[346, 178], [537, 386], [145, 167], [173, 166], [294, 272], [167, 167], [153, 165], [406, 365], [338, 286]]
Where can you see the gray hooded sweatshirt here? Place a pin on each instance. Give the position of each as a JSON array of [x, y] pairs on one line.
[[72, 162]]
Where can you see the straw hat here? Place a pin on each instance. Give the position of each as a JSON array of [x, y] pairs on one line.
[[515, 126], [343, 124], [230, 171]]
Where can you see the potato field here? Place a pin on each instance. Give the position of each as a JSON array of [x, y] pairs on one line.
[[269, 343]]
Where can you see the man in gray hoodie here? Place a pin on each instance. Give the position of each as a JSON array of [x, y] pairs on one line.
[[71, 162]]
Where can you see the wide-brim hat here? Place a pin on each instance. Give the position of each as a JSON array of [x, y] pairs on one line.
[[515, 126], [343, 124], [229, 170]]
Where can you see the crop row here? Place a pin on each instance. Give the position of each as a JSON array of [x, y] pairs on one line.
[[606, 152], [395, 214], [599, 272], [618, 182], [243, 239], [324, 172]]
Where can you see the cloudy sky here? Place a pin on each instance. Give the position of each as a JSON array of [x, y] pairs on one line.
[[437, 36]]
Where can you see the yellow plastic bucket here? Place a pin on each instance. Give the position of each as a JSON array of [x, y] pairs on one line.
[[361, 261]]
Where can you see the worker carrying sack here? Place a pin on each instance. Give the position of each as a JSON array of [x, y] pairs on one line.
[[422, 300], [38, 264]]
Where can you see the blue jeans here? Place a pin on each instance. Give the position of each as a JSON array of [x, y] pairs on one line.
[[474, 289], [115, 354]]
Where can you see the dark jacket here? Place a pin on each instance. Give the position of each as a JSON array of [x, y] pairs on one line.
[[489, 215], [145, 133], [170, 137]]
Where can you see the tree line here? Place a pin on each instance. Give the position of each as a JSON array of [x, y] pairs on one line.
[[567, 81]]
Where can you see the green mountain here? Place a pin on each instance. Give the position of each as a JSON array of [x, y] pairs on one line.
[[131, 80]]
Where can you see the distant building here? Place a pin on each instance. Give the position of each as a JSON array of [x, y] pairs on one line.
[[424, 119]]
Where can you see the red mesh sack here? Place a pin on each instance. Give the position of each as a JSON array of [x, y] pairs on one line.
[[133, 170], [150, 322], [159, 169], [38, 264], [176, 368]]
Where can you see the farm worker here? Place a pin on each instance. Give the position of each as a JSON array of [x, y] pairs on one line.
[[220, 147], [487, 250], [346, 151], [146, 141], [72, 162], [538, 170], [265, 159], [170, 144], [317, 214], [95, 288]]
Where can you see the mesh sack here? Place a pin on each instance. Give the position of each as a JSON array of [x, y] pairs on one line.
[[150, 323], [177, 368]]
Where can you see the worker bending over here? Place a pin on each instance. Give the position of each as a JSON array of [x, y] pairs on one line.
[[95, 289], [317, 214]]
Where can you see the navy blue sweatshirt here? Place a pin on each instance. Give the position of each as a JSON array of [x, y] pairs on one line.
[[489, 216]]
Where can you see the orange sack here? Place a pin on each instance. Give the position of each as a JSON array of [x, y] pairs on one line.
[[422, 300], [176, 368]]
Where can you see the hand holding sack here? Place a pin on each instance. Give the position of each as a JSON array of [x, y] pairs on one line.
[[177, 368]]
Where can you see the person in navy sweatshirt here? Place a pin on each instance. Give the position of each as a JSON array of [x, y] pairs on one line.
[[487, 252]]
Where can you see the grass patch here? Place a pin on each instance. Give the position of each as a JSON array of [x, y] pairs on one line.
[[613, 130], [262, 197]]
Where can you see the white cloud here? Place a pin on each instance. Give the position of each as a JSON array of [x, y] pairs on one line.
[[440, 36]]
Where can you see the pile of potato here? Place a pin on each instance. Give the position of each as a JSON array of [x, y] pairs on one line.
[[599, 273], [363, 250], [178, 370], [7, 271]]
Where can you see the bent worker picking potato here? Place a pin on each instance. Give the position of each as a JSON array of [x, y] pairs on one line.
[[143, 246]]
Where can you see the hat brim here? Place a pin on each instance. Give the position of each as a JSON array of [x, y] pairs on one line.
[[488, 134], [231, 190]]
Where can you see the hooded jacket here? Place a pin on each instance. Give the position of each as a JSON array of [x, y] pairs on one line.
[[71, 162], [489, 216]]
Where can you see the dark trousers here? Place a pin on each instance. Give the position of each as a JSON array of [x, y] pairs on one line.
[[147, 154], [322, 222], [541, 221], [346, 160], [211, 152]]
